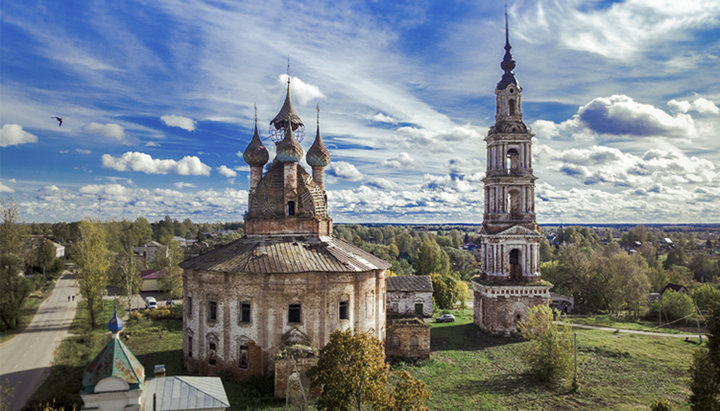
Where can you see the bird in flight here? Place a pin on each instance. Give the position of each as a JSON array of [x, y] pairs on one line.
[[58, 119]]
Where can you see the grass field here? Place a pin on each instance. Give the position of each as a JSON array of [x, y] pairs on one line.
[[467, 370]]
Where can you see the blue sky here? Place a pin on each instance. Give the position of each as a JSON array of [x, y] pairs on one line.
[[157, 101]]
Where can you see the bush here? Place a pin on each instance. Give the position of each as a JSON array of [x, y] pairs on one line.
[[135, 316], [661, 404], [705, 295], [677, 305], [159, 313], [549, 352]]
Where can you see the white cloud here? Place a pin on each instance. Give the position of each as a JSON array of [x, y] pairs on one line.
[[83, 151], [383, 118], [701, 105], [134, 161], [344, 171], [184, 123], [180, 185], [301, 91], [403, 160], [13, 135], [111, 130], [152, 144], [226, 171], [5, 189]]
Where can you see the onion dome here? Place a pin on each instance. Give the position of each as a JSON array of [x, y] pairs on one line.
[[115, 324], [508, 64], [287, 114], [255, 153], [318, 155], [289, 150]]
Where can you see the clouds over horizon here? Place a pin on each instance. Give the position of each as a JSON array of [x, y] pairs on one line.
[[134, 161]]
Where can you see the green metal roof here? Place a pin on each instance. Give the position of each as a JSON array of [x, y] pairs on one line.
[[116, 360]]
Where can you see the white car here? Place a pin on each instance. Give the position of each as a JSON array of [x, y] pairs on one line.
[[151, 302], [445, 318]]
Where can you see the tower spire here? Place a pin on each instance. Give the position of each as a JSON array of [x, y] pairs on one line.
[[507, 64]]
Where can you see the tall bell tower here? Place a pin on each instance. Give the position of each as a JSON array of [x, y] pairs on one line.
[[510, 237]]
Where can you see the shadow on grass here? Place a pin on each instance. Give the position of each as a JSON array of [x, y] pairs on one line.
[[465, 337], [61, 388], [173, 361]]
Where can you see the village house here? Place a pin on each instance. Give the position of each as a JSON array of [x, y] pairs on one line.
[[410, 295]]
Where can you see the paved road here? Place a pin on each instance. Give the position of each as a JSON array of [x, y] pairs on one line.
[[652, 333], [25, 360]]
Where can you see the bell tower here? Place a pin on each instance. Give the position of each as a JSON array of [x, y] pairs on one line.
[[510, 237]]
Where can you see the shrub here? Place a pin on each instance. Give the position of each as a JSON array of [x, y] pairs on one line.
[[549, 353], [135, 316], [159, 313], [661, 404], [677, 305]]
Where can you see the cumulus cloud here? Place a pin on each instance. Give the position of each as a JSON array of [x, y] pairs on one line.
[[180, 185], [301, 91], [383, 118], [13, 135], [344, 170], [426, 136], [134, 161], [111, 130], [403, 160], [226, 171], [184, 123], [5, 189], [700, 105], [621, 115], [382, 183]]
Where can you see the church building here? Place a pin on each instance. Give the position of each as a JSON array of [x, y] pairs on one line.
[[510, 249], [288, 281]]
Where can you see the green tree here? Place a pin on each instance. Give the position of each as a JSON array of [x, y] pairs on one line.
[[11, 232], [445, 291], [705, 295], [93, 259], [705, 368], [14, 288], [407, 394], [676, 256], [167, 260], [676, 305], [703, 267], [549, 352], [44, 254], [431, 259], [351, 372]]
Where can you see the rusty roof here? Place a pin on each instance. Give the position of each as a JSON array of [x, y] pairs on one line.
[[286, 254], [115, 360], [421, 283]]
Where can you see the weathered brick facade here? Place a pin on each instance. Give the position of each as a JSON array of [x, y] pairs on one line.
[[407, 338]]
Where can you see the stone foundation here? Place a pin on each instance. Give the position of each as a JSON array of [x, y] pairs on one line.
[[498, 308]]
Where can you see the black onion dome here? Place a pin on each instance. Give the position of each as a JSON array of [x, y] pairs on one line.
[[256, 154], [508, 64], [289, 150], [318, 155]]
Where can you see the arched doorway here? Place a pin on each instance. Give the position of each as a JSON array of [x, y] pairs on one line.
[[515, 266]]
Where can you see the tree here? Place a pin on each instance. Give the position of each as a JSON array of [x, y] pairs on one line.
[[11, 233], [168, 260], [676, 256], [676, 305], [431, 259], [705, 295], [14, 288], [445, 291], [44, 254], [705, 368], [351, 371], [549, 353], [93, 259]]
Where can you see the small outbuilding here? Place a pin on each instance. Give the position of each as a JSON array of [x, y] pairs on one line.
[[410, 295]]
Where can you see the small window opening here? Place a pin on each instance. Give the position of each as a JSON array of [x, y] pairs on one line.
[[291, 208], [511, 107], [212, 311], [395, 341], [190, 346], [189, 308], [211, 357], [245, 312], [294, 313], [413, 341], [243, 363], [343, 310], [512, 160]]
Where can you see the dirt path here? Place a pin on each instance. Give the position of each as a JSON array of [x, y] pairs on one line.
[[25, 360], [657, 334]]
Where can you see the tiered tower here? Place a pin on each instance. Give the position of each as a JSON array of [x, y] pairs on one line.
[[510, 238]]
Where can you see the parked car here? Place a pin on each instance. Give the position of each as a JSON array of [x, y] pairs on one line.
[[151, 302], [445, 318]]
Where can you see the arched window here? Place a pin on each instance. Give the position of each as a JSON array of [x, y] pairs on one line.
[[511, 107], [512, 160], [413, 342], [513, 203], [515, 267]]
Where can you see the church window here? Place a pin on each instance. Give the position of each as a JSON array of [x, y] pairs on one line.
[[212, 353], [512, 160], [395, 308], [245, 312], [343, 310], [413, 342], [419, 309], [190, 346], [395, 341], [212, 310], [511, 107], [243, 362], [294, 313], [189, 308], [291, 208]]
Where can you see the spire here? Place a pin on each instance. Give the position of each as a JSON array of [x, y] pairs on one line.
[[287, 114], [318, 155], [289, 150], [255, 153], [507, 64]]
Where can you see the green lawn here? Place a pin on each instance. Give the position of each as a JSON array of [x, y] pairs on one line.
[[467, 370], [605, 320]]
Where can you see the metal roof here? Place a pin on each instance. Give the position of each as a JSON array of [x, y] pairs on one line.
[[286, 254], [185, 393], [422, 283], [115, 360]]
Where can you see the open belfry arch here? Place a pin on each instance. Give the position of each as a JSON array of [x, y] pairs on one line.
[[510, 238]]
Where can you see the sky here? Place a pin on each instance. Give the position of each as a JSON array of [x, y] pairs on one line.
[[157, 99]]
